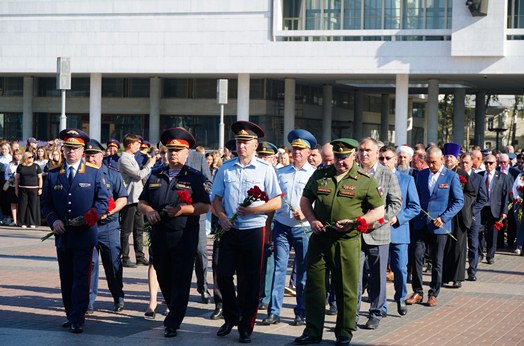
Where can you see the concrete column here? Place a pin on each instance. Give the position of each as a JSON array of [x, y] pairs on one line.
[[432, 127], [480, 118], [459, 107], [289, 106], [155, 92], [243, 97], [384, 118], [95, 106], [357, 115], [401, 109], [327, 113], [27, 115]]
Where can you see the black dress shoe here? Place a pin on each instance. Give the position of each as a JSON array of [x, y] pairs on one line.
[[128, 264], [150, 315], [298, 321], [205, 297], [142, 261], [402, 308], [372, 323], [66, 324], [76, 328], [490, 260], [169, 332], [217, 314], [119, 306], [332, 310], [456, 284], [262, 306], [90, 311], [271, 319], [471, 278], [244, 337], [307, 340], [343, 341], [225, 329]]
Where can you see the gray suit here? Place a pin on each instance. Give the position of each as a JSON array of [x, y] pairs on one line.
[[375, 244], [198, 161]]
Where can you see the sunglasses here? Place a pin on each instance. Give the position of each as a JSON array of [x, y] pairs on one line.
[[489, 162], [386, 158]]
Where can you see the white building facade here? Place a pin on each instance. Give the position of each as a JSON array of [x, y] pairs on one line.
[[350, 68]]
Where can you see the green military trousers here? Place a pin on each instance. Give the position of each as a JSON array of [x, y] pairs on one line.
[[340, 254]]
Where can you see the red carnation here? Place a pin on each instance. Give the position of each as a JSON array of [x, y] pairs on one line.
[[381, 221], [111, 204], [91, 217], [499, 225], [184, 197], [462, 179], [362, 225]]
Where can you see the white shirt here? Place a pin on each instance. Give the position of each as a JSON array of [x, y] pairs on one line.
[[433, 177]]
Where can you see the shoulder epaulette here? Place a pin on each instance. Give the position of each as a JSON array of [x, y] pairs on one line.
[[89, 164], [323, 167], [111, 168], [363, 173], [54, 167]]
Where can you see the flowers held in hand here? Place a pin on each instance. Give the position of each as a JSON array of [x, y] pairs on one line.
[[111, 204], [89, 219], [253, 194], [499, 225], [433, 219], [307, 231], [359, 224], [519, 202], [183, 199]]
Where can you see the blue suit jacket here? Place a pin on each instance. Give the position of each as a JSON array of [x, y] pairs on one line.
[[445, 202], [63, 202], [410, 208], [482, 194]]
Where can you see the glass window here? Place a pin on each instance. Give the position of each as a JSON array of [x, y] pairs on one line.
[[391, 14], [372, 14], [206, 88], [178, 88], [418, 110], [353, 14], [11, 86], [117, 126], [516, 14], [11, 126], [46, 86], [112, 87], [138, 87]]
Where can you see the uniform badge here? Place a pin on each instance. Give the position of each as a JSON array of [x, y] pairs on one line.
[[443, 186], [348, 187], [58, 187], [323, 191], [183, 185], [108, 185], [346, 193], [84, 184], [154, 186], [380, 190]]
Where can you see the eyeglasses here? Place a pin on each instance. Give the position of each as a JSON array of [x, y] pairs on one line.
[[387, 158], [30, 157], [489, 162]]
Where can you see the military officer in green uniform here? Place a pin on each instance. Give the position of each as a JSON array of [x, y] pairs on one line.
[[334, 197]]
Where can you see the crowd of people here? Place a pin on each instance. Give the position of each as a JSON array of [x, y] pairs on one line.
[[355, 214]]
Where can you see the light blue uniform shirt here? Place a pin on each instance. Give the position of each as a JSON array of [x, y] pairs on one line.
[[292, 183], [232, 182]]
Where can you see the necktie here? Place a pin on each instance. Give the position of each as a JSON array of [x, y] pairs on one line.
[[487, 183], [71, 176]]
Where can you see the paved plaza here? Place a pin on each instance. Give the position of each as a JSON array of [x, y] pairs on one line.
[[487, 312]]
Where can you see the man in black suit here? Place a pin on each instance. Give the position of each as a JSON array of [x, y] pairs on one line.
[[496, 209], [466, 163]]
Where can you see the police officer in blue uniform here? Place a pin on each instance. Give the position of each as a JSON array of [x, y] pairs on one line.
[[112, 159], [142, 157], [71, 190], [175, 223], [108, 230]]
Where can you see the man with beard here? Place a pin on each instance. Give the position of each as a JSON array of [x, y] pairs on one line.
[[454, 267]]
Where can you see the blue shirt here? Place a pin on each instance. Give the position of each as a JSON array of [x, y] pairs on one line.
[[115, 185], [292, 183], [232, 182]]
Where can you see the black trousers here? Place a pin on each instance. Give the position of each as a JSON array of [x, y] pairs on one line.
[[132, 222], [74, 266], [28, 207], [217, 294], [174, 258], [201, 256], [241, 252], [424, 239], [490, 233]]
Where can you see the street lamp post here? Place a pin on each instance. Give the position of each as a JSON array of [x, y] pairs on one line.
[[63, 83], [221, 100]]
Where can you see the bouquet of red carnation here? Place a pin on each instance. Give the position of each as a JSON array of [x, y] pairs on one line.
[[183, 199], [463, 180], [499, 225], [253, 194], [111, 204], [90, 218], [360, 224], [519, 202]]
